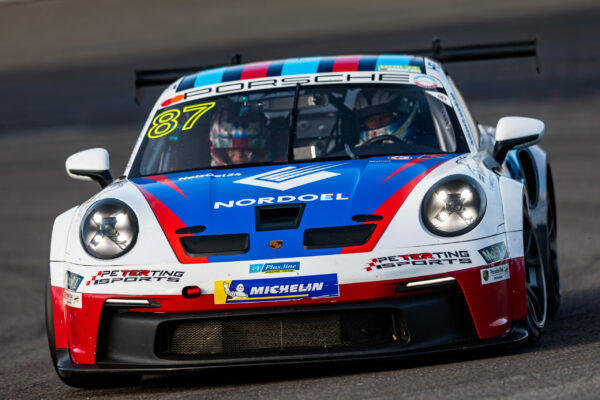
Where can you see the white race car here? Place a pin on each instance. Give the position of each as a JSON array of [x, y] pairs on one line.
[[301, 211]]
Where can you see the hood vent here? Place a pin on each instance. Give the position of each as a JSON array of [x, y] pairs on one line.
[[190, 229], [278, 217], [366, 217], [339, 236], [215, 245]]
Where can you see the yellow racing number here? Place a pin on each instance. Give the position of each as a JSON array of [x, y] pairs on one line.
[[200, 110], [164, 123]]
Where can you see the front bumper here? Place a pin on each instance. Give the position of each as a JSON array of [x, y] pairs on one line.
[[429, 320]]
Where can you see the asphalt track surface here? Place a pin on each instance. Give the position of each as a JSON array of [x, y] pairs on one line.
[[49, 113]]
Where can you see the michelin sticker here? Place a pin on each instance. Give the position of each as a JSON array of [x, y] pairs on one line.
[[495, 274], [276, 289], [73, 299], [269, 268]]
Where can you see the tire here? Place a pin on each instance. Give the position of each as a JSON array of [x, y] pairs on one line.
[[80, 380], [50, 319], [553, 270], [535, 283]]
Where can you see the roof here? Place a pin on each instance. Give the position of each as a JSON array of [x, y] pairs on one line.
[[306, 65]]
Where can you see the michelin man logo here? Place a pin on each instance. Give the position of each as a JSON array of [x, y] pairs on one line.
[[239, 291], [290, 177]]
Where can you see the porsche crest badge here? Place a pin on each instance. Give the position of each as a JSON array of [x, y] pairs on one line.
[[275, 244]]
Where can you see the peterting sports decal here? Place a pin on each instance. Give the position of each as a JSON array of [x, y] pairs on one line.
[[494, 253], [276, 289], [495, 274], [134, 275], [434, 258], [290, 177], [269, 268]]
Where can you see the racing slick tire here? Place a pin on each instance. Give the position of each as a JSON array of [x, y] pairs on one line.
[[553, 270], [87, 380], [535, 282]]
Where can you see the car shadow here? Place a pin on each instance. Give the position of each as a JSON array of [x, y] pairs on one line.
[[572, 326]]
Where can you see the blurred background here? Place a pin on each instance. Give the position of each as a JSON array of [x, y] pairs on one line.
[[66, 84]]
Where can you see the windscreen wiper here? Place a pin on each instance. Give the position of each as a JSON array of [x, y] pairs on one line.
[[293, 117]]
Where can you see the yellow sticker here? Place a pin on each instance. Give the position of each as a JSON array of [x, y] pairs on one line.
[[220, 295]]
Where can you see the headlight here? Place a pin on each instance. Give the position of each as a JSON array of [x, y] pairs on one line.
[[454, 206], [109, 229]]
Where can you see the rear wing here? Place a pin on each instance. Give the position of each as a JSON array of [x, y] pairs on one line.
[[473, 52], [479, 52], [162, 77]]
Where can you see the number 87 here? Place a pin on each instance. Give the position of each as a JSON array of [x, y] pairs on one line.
[[166, 122]]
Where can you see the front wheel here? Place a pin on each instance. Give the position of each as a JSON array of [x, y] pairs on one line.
[[553, 278], [535, 283]]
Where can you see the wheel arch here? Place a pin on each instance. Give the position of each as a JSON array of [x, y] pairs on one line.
[[54, 303]]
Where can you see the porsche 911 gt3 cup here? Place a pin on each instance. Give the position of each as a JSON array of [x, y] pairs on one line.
[[300, 211]]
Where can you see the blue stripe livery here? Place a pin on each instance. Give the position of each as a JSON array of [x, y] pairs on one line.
[[297, 66], [224, 200]]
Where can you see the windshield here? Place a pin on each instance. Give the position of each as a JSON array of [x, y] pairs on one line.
[[250, 128]]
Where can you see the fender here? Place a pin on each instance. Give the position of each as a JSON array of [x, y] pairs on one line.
[[58, 246]]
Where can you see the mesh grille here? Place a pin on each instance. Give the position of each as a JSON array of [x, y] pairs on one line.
[[279, 333]]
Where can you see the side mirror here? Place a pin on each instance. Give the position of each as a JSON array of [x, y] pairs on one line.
[[90, 165], [516, 132]]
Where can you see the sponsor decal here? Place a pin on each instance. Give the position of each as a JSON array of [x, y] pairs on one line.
[[269, 268], [73, 299], [384, 77], [433, 258], [433, 66], [495, 274], [73, 280], [463, 120], [400, 68], [290, 177], [426, 82], [276, 289], [441, 97], [134, 275], [279, 199], [494, 253], [397, 158], [209, 174]]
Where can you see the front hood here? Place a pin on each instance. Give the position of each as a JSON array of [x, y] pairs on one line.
[[224, 201]]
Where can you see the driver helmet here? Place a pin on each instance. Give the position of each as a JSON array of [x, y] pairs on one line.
[[383, 113], [236, 140]]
